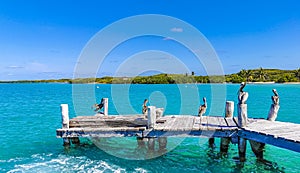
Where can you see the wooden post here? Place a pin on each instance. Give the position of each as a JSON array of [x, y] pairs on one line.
[[151, 117], [65, 121], [162, 143], [273, 112], [105, 106], [211, 142], [151, 143], [242, 120], [140, 142], [224, 144], [258, 147], [229, 109], [242, 149], [242, 115], [75, 140], [159, 112]]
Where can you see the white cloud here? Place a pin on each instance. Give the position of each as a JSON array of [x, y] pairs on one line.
[[14, 67], [176, 29]]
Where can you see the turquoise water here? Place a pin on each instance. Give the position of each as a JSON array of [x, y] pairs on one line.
[[30, 114]]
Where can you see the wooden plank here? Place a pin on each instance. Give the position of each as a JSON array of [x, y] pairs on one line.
[[166, 122], [279, 142], [177, 126], [230, 123], [203, 123], [213, 123], [170, 122], [196, 123], [222, 123], [186, 123]]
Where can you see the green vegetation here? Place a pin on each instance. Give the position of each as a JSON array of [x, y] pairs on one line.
[[254, 75]]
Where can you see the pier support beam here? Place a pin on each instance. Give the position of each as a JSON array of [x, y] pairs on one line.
[[65, 121], [242, 115], [273, 112], [242, 149], [162, 143], [141, 142], [75, 141], [105, 106], [151, 117], [224, 143], [151, 144], [229, 108], [242, 122], [258, 147]]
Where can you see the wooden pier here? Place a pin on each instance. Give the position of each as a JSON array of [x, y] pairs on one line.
[[152, 125], [281, 134]]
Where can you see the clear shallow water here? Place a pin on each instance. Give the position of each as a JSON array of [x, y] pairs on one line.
[[30, 114]]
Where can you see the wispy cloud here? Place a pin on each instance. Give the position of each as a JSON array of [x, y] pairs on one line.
[[175, 29], [14, 67]]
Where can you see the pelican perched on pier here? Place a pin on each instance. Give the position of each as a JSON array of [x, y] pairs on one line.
[[144, 107], [202, 108], [243, 96], [275, 97]]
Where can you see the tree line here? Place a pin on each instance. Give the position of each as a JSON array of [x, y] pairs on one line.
[[252, 75]]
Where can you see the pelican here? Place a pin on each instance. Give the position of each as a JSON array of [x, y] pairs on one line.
[[144, 107], [202, 108], [99, 106], [275, 97], [243, 96]]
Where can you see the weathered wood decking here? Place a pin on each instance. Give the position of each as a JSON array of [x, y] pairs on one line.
[[281, 134], [136, 125]]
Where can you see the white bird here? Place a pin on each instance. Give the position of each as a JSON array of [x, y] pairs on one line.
[[202, 108]]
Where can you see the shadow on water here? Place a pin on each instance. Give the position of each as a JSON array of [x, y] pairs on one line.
[[185, 157]]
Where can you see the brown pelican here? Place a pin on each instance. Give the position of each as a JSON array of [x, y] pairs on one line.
[[202, 108], [243, 96], [144, 107], [99, 106], [275, 98]]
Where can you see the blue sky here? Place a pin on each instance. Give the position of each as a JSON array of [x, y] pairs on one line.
[[43, 39]]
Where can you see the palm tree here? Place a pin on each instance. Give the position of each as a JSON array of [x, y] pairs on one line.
[[297, 73], [248, 74], [262, 74], [242, 73]]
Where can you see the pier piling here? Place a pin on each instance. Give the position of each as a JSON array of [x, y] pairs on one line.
[[65, 121], [140, 142], [242, 122], [258, 147], [224, 143], [162, 143], [151, 117], [105, 106], [151, 144], [242, 115], [242, 149]]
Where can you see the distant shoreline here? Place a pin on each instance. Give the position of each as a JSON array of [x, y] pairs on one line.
[[250, 83], [254, 76]]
